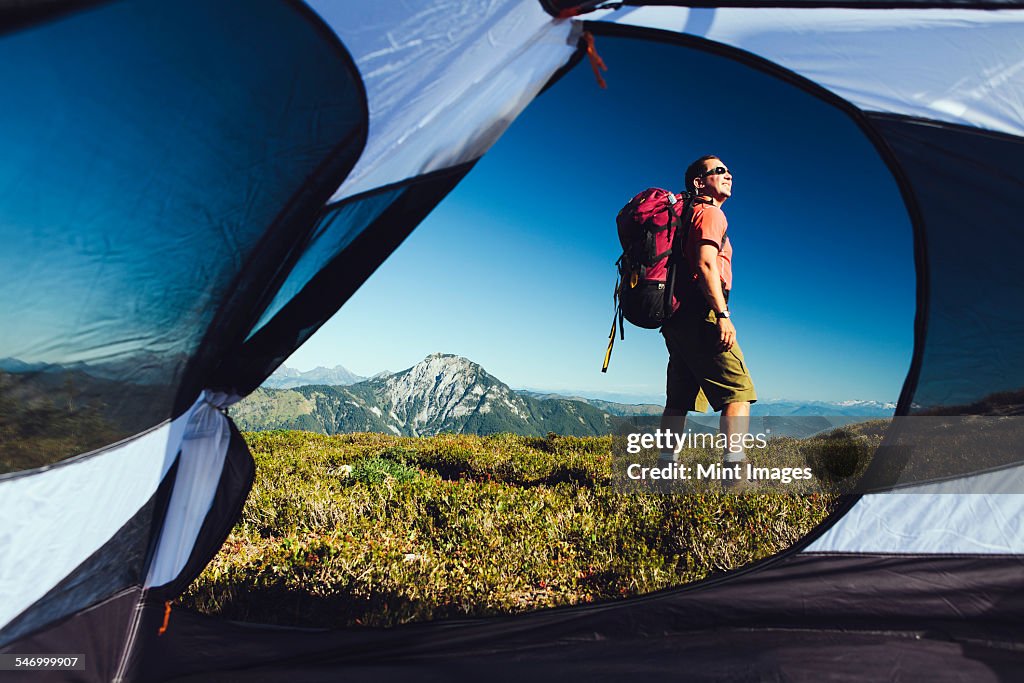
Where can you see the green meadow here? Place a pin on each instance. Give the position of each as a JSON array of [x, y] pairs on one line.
[[377, 530]]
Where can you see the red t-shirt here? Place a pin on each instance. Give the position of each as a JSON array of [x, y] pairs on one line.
[[709, 225]]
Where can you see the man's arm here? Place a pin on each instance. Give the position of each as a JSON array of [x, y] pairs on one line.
[[711, 286]]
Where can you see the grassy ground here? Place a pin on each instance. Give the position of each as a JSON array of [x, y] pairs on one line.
[[369, 529]]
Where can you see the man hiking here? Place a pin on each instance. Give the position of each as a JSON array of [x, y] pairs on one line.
[[705, 363]]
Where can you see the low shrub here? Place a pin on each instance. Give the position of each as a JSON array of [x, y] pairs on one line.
[[371, 529]]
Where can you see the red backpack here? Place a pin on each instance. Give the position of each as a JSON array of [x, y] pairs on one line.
[[652, 230]]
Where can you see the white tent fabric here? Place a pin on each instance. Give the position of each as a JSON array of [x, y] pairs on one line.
[[957, 66], [203, 449], [52, 520], [929, 523], [44, 542], [484, 60]]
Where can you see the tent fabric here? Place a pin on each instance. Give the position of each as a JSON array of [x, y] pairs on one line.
[[53, 520], [714, 656], [942, 164], [100, 631], [878, 60], [53, 542], [979, 513], [117, 565], [204, 448], [233, 484], [131, 204], [929, 523], [90, 606], [485, 60], [137, 210], [216, 202], [911, 605], [561, 8]]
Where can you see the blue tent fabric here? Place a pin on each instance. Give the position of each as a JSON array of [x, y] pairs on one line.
[[164, 175]]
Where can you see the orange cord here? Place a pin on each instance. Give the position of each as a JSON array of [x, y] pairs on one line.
[[167, 618], [596, 63]]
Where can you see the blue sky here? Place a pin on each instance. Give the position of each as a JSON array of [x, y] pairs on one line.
[[514, 270]]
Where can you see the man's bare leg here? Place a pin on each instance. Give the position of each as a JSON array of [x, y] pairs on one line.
[[735, 420], [672, 420]]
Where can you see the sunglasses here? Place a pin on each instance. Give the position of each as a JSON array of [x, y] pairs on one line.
[[717, 170]]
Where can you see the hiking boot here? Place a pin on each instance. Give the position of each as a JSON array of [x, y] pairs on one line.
[[740, 483], [667, 458]]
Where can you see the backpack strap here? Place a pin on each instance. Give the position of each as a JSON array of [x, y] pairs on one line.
[[616, 320], [611, 342], [678, 246], [674, 248], [686, 219]]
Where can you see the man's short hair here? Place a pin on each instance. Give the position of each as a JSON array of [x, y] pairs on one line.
[[695, 169]]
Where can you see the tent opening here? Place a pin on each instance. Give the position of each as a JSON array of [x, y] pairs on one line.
[[497, 307]]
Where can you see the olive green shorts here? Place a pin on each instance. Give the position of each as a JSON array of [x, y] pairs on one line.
[[699, 372]]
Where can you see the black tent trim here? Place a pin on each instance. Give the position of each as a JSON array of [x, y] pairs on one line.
[[100, 626], [946, 125], [559, 8], [16, 15]]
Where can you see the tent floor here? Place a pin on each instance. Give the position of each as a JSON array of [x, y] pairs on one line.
[[795, 618], [734, 655]]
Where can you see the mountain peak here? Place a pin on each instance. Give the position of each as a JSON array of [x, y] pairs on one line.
[[439, 371], [449, 359], [444, 389]]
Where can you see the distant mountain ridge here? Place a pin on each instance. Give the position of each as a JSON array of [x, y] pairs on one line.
[[290, 378], [764, 408], [287, 378], [442, 393], [788, 408], [448, 393]]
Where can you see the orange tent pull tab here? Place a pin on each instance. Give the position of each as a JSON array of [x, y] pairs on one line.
[[596, 63], [167, 618]]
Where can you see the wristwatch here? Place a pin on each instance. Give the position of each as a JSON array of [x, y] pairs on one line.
[[723, 314]]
